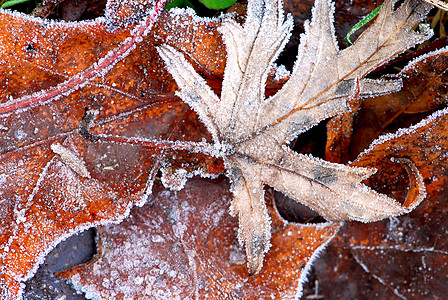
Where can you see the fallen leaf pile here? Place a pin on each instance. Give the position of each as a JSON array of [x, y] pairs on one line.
[[91, 111]]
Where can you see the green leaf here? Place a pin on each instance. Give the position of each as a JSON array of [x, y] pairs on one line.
[[217, 4], [179, 3]]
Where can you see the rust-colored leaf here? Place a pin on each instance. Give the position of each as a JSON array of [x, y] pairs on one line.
[[43, 199], [183, 245], [424, 90], [339, 132], [399, 258]]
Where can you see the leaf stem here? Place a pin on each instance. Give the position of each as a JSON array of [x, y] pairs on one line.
[[194, 147], [215, 150]]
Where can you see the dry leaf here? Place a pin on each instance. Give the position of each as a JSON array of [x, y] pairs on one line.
[[251, 132], [440, 4]]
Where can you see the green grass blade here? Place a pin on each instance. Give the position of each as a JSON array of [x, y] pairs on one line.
[[12, 3], [363, 22]]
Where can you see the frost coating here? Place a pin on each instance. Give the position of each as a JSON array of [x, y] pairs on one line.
[[101, 67], [405, 131], [175, 180], [73, 193], [256, 130], [23, 220]]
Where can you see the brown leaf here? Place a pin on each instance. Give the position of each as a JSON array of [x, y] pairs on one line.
[[399, 258], [184, 245], [424, 90]]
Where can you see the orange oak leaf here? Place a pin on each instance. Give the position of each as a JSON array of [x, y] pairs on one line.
[[44, 197]]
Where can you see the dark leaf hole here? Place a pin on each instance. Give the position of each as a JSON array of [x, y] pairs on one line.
[[78, 10], [296, 212], [30, 48], [397, 4], [77, 249], [312, 141]]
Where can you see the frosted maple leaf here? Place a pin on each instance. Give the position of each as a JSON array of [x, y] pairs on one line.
[[251, 132]]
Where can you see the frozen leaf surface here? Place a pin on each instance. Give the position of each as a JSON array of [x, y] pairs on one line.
[[424, 90], [399, 258], [183, 245], [54, 181], [251, 132], [57, 179]]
